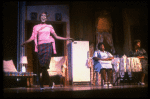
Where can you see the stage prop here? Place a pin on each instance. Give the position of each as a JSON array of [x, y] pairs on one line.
[[78, 53], [125, 66], [23, 64], [13, 78], [57, 71], [122, 69]]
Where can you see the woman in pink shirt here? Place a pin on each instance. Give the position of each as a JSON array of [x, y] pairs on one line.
[[44, 45]]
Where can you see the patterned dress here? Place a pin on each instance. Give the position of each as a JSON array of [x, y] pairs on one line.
[[144, 61]]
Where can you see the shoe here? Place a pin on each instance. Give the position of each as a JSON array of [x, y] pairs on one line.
[[110, 85], [51, 85], [142, 84], [105, 85], [41, 88]]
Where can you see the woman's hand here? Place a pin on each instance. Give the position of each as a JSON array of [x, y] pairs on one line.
[[61, 38], [70, 39], [23, 44], [140, 57], [108, 59]]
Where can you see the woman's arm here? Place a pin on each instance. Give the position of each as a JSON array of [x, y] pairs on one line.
[[140, 57], [143, 55], [109, 58], [60, 38], [96, 58], [33, 36], [27, 41], [106, 59]]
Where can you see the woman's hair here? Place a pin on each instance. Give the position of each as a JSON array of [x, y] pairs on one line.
[[136, 41], [99, 44], [41, 14]]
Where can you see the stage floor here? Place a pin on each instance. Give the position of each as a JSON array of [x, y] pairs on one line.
[[78, 91]]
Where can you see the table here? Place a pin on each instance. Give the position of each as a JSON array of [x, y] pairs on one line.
[[126, 65], [121, 67], [19, 75]]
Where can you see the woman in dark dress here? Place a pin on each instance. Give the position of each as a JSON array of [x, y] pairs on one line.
[[142, 55]]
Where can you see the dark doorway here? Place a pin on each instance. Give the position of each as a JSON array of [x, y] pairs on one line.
[[117, 30], [141, 33]]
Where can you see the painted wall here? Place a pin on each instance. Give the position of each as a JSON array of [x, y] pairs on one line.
[[51, 10], [80, 22], [9, 31]]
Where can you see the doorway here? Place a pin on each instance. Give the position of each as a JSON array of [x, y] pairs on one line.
[[141, 33]]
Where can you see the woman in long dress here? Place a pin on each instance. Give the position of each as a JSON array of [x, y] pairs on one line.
[[44, 38]]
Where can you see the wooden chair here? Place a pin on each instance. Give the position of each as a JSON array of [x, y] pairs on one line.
[[57, 71]]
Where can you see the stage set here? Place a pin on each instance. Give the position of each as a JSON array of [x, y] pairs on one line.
[[84, 80], [72, 70]]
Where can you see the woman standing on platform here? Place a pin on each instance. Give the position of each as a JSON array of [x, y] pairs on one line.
[[44, 45], [142, 55], [102, 63]]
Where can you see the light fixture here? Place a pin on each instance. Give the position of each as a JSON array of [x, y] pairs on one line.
[[23, 64]]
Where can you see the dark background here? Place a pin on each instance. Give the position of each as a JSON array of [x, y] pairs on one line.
[[9, 32], [10, 12]]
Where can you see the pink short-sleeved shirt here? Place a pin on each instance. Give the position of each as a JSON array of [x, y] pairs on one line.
[[43, 31]]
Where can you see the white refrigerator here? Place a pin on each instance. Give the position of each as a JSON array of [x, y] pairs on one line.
[[78, 53]]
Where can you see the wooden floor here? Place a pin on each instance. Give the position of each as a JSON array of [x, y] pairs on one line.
[[78, 91]]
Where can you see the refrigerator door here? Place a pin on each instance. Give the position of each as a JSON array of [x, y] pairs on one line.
[[79, 56]]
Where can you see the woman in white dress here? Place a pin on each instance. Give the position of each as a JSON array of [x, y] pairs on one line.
[[102, 63]]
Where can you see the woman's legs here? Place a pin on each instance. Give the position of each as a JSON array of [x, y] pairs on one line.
[[44, 76], [109, 72], [142, 77], [103, 73], [44, 55]]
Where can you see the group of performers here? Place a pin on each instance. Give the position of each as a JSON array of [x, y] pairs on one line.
[[102, 62], [44, 38]]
